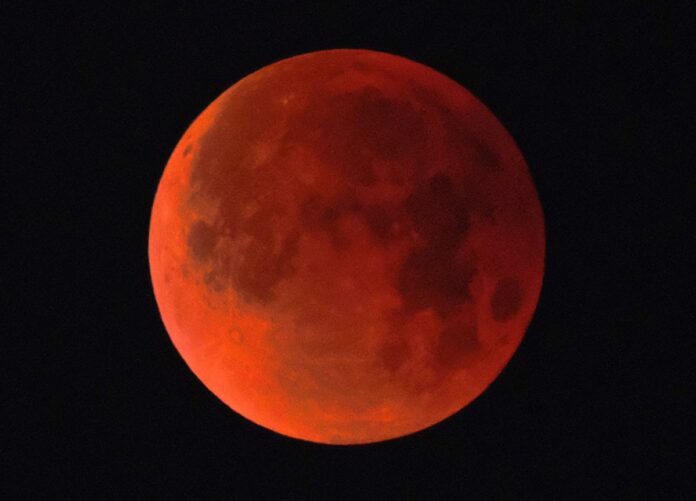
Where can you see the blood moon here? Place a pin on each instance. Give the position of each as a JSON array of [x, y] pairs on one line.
[[346, 247]]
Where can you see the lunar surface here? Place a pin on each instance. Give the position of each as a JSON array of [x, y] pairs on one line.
[[346, 247]]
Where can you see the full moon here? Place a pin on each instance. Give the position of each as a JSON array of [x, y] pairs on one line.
[[346, 247]]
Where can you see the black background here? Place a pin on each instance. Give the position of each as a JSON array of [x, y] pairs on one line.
[[99, 401]]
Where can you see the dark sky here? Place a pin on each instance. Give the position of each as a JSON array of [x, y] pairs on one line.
[[100, 402]]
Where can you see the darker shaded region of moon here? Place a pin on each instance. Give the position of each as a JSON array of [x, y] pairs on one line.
[[369, 230]]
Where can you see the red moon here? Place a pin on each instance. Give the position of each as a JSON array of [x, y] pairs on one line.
[[346, 247]]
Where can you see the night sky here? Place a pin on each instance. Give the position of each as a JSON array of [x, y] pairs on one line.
[[98, 400]]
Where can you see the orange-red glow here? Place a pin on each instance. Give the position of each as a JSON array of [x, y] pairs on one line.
[[346, 247]]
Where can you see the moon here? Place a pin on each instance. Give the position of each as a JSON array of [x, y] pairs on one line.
[[346, 247]]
